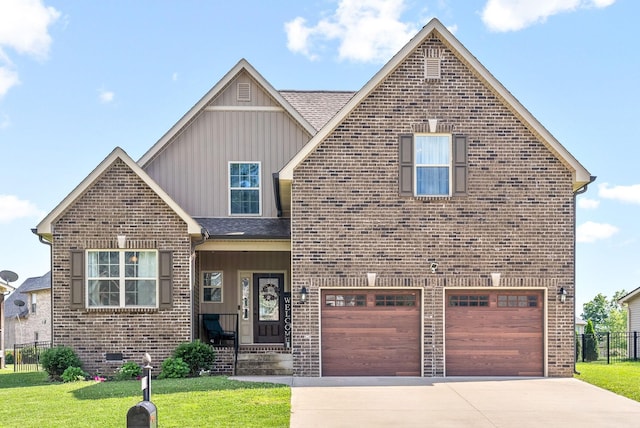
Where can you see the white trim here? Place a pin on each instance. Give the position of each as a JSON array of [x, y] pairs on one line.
[[221, 287], [415, 165], [45, 227], [244, 108], [245, 245], [230, 189], [581, 176]]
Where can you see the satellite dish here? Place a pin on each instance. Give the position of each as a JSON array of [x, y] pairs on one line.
[[8, 276], [18, 302]]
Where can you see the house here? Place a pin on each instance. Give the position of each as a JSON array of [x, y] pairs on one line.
[[421, 226], [28, 312], [632, 302], [580, 325]]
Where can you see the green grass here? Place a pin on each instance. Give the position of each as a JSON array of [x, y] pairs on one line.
[[622, 378], [31, 400]]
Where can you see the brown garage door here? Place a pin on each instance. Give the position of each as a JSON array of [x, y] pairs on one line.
[[494, 333], [371, 332]]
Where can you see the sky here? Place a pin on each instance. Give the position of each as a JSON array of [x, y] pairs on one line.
[[78, 78]]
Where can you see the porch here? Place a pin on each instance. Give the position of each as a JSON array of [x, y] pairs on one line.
[[233, 358]]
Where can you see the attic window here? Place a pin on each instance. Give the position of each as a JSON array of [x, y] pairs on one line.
[[432, 58], [244, 91]]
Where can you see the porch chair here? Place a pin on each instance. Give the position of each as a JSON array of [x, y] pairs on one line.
[[215, 331]]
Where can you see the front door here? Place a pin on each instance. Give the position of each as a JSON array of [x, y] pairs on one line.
[[268, 314]]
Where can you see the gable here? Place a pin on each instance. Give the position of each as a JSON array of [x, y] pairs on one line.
[[434, 30], [45, 227]]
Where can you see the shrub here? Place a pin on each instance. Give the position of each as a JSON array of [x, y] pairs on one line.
[[8, 357], [173, 368], [73, 374], [128, 371], [56, 360], [198, 356], [590, 349]]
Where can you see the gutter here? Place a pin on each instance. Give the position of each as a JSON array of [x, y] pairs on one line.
[[50, 245]]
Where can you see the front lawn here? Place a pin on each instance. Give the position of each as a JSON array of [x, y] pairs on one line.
[[30, 400], [622, 378]]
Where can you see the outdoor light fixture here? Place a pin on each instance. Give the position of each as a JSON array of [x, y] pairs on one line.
[[303, 294], [563, 294], [122, 241], [434, 267]]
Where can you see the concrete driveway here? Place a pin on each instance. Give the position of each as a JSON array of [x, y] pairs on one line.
[[455, 402]]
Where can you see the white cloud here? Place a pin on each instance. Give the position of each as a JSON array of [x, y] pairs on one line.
[[174, 76], [106, 96], [12, 208], [514, 15], [591, 232], [24, 26], [629, 194], [588, 204], [366, 31]]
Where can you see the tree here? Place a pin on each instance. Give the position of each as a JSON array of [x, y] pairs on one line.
[[606, 315], [590, 349]]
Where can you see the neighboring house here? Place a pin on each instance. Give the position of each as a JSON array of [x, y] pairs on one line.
[[5, 289], [580, 325], [632, 302], [28, 312], [422, 226]]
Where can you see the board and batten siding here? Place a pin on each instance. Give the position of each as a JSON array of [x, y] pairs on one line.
[[193, 167]]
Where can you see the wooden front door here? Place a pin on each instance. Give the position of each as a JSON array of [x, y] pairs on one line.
[[268, 305]]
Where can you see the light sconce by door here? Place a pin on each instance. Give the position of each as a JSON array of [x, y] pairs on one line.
[[495, 279], [122, 241], [563, 294], [303, 294]]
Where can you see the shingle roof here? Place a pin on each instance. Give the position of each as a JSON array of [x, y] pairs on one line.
[[317, 107], [30, 284], [246, 228]]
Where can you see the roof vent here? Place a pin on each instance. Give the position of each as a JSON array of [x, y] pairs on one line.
[[432, 58], [244, 91]]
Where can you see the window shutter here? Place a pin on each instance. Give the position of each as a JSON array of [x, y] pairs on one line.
[[405, 177], [77, 280], [165, 279], [459, 165]]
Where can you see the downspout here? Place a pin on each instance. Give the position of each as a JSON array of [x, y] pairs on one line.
[[580, 191], [192, 261], [50, 245]]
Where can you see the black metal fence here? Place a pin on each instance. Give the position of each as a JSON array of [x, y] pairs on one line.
[[26, 356], [608, 347]]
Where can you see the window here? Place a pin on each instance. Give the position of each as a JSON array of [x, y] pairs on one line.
[[432, 165], [348, 300], [244, 188], [469, 300], [395, 300], [122, 278], [212, 287], [33, 303], [517, 301]]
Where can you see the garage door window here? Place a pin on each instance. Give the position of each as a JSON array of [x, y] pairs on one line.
[[517, 301], [469, 300], [345, 300], [395, 300]]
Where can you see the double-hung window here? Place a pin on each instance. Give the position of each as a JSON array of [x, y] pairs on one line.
[[432, 165], [244, 188], [122, 278]]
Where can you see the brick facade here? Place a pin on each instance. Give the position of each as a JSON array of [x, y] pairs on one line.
[[120, 203], [517, 217]]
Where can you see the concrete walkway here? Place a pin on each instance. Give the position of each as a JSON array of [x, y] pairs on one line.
[[453, 402]]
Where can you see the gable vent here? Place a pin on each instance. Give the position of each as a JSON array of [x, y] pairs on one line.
[[432, 58], [244, 91]]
